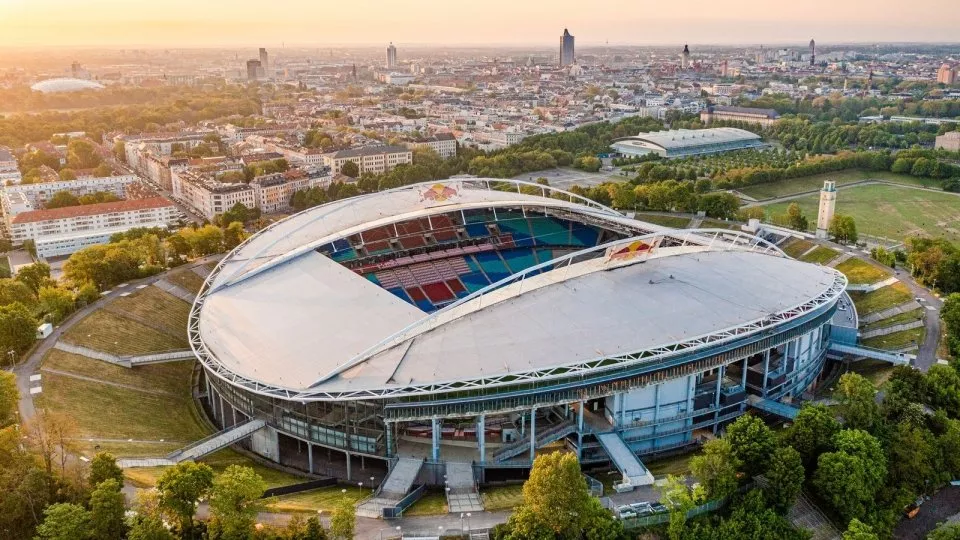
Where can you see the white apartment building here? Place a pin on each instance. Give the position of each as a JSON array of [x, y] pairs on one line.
[[369, 159], [504, 138], [208, 196], [62, 231], [9, 173], [444, 144], [272, 192], [38, 194]]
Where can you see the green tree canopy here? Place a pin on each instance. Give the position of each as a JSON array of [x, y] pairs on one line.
[[235, 500], [785, 476], [107, 511], [752, 443], [716, 468], [103, 467], [64, 521], [180, 487]]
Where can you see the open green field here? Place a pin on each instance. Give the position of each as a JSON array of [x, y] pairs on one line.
[[890, 211], [813, 183], [431, 504], [152, 404], [897, 340], [110, 333], [860, 272], [325, 499], [880, 299], [677, 222], [218, 461], [187, 279], [796, 247], [502, 497], [150, 303], [903, 318], [820, 255]]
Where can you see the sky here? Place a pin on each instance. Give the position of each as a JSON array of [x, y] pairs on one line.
[[205, 23]]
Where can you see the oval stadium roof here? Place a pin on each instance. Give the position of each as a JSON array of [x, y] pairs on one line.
[[52, 86], [680, 142]]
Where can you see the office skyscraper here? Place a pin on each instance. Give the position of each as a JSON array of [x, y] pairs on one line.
[[263, 59], [391, 56], [567, 55], [253, 70]]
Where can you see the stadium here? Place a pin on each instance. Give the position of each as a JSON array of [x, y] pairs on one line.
[[447, 332], [678, 143]]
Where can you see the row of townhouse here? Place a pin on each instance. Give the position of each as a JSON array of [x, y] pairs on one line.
[[270, 193], [62, 231]]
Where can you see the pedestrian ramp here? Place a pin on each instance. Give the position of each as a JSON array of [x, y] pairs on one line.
[[401, 478], [133, 463], [898, 359], [629, 465], [216, 441], [774, 407]]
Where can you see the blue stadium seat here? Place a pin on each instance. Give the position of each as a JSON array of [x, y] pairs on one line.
[[550, 232], [372, 277], [584, 236], [399, 293], [474, 281], [518, 259], [344, 256], [476, 230]]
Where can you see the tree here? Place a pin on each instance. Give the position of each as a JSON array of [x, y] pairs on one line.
[[716, 468], [843, 229], [18, 328], [64, 521], [858, 530], [950, 313], [106, 511], [181, 486], [104, 467], [12, 290], [343, 522], [914, 460], [62, 199], [233, 235], [947, 531], [31, 247], [857, 402], [679, 501], [86, 294], [82, 154], [34, 275], [67, 174], [795, 218], [785, 476], [350, 169], [55, 303], [235, 500], [147, 523], [102, 171], [314, 530], [812, 433], [752, 443], [9, 397], [557, 502], [850, 477]]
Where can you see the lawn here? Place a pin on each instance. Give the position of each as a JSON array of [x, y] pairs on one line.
[[126, 449], [150, 303], [187, 279], [813, 183], [678, 464], [880, 299], [903, 318], [796, 247], [502, 497], [820, 255], [111, 333], [720, 224], [431, 504], [677, 222], [897, 340], [170, 377], [890, 211], [218, 461], [325, 499], [876, 371], [111, 412], [860, 272]]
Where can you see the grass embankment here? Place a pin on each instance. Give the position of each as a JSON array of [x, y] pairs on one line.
[[166, 311], [796, 247], [114, 334], [325, 499], [881, 299], [677, 222], [820, 255], [431, 504], [502, 497], [903, 318], [860, 272], [188, 279], [897, 340], [218, 461]]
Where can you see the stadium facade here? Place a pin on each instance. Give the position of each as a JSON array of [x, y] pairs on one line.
[[480, 321], [678, 143]]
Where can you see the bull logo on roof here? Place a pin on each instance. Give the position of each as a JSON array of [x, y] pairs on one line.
[[438, 193], [629, 251]]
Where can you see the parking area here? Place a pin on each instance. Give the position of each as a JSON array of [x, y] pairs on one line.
[[565, 178]]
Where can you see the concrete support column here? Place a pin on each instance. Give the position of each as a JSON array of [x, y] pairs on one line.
[[766, 370], [389, 432], [716, 404], [436, 439], [310, 457], [533, 433], [223, 415], [209, 392], [580, 408], [743, 381], [523, 424], [349, 472], [233, 410], [482, 437]]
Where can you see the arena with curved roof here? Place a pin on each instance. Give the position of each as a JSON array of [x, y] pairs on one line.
[[480, 320], [688, 142], [52, 86]]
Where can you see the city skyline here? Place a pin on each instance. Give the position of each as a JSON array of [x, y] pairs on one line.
[[743, 22]]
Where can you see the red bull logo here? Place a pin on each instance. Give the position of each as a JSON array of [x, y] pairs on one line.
[[438, 193], [630, 250]]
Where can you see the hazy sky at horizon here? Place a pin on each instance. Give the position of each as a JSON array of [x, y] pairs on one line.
[[189, 23]]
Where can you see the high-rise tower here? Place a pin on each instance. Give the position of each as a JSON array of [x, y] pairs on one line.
[[391, 56], [567, 55], [813, 52], [263, 59], [685, 57], [828, 205]]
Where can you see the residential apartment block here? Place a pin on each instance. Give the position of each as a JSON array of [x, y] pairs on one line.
[[270, 193], [9, 173], [62, 231], [444, 144], [370, 159], [36, 195]]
